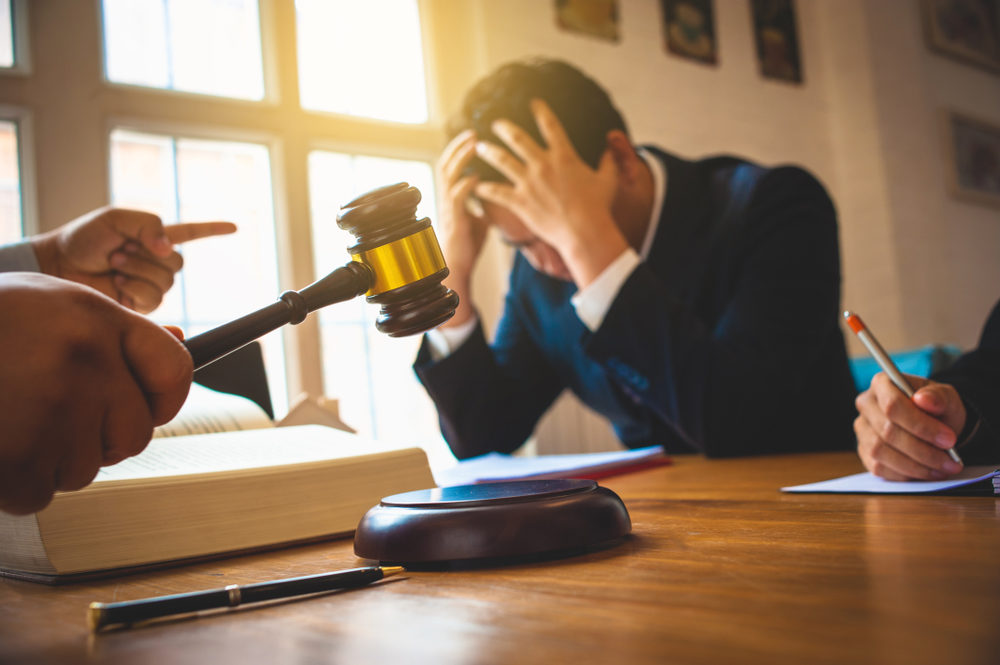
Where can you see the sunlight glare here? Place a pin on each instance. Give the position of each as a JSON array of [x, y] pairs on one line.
[[362, 58]]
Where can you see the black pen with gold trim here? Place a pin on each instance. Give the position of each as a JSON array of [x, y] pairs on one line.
[[100, 615]]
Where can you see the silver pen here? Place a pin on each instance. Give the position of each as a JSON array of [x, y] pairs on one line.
[[855, 323]]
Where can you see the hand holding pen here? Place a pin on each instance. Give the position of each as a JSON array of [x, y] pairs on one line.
[[907, 426]]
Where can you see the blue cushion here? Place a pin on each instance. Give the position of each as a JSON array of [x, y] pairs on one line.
[[921, 362]]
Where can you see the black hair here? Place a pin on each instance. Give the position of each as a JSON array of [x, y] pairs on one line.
[[583, 107]]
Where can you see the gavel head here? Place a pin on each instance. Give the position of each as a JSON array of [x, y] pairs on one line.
[[404, 257]]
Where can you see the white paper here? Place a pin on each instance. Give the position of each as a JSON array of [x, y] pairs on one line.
[[496, 466], [870, 484]]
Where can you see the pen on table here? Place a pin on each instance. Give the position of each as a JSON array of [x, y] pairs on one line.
[[855, 323], [100, 615]]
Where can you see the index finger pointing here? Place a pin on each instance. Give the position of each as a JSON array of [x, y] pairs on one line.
[[194, 230]]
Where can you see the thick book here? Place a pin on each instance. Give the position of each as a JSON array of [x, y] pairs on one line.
[[207, 495]]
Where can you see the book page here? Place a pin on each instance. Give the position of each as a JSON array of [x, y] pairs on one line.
[[208, 410], [231, 451]]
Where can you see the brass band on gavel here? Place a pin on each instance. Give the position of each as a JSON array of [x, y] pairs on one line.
[[402, 261]]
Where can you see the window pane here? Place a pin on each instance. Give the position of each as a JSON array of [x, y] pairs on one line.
[[197, 180], [11, 224], [205, 46], [368, 372], [6, 35], [362, 58]]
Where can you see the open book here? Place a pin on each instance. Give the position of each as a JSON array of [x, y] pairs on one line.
[[206, 411], [204, 495]]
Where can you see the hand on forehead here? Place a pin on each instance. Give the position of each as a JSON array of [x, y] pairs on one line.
[[520, 141]]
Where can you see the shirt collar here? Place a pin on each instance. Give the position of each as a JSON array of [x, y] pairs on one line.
[[659, 194]]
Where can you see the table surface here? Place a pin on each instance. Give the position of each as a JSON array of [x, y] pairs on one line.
[[720, 567]]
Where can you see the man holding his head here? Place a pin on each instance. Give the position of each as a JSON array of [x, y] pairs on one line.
[[695, 304]]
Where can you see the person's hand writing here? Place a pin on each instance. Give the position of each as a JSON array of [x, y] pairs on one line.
[[556, 194], [83, 380], [904, 439], [461, 232], [128, 255]]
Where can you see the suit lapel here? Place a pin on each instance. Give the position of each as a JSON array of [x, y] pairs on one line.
[[678, 249]]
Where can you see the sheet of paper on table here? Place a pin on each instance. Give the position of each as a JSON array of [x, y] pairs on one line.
[[496, 466], [972, 480]]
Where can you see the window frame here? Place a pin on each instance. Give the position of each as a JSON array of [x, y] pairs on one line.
[[65, 169], [20, 33], [21, 116], [24, 128], [268, 73]]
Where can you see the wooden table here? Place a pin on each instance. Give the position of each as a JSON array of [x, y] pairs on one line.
[[721, 568]]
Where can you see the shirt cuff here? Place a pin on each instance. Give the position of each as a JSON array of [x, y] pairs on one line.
[[442, 342], [594, 300], [18, 257]]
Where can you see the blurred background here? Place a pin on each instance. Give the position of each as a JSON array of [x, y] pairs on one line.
[[273, 113]]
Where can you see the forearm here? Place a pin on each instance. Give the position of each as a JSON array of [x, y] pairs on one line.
[[482, 405], [976, 377], [592, 247]]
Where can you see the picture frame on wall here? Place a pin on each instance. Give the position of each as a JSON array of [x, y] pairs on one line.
[[968, 30], [689, 29], [973, 147], [595, 18], [776, 37]]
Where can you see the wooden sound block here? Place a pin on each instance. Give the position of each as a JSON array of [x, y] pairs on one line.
[[495, 521]]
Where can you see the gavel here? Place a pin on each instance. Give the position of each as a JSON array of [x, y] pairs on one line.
[[396, 262]]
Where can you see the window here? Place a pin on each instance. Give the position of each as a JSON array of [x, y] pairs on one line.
[[11, 225], [204, 46], [379, 42], [198, 107], [11, 205], [370, 373], [197, 180], [6, 34]]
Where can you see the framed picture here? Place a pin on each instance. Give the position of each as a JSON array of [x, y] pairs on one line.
[[596, 18], [689, 29], [777, 39], [965, 29], [974, 148]]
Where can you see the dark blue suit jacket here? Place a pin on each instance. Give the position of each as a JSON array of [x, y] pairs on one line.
[[725, 340], [976, 376]]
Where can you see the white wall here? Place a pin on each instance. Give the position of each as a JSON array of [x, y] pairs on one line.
[[919, 265], [948, 251]]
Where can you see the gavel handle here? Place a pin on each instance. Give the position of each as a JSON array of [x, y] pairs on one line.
[[292, 307]]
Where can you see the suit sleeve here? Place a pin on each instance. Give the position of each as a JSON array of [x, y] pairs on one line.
[[489, 398], [728, 386], [976, 376], [18, 257]]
